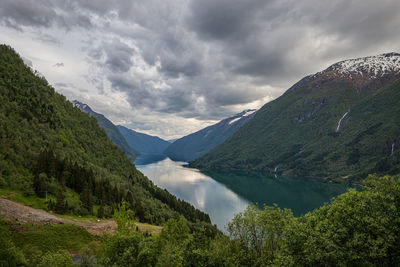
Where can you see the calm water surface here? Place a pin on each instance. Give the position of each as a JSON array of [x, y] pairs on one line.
[[221, 194]]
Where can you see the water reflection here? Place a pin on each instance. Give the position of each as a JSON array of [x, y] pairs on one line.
[[149, 158], [223, 193], [301, 195], [197, 188]]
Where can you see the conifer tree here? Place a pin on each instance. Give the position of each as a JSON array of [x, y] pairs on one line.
[[60, 204]]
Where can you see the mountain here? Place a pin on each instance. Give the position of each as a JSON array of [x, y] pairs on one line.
[[50, 149], [143, 143], [194, 145], [342, 123], [111, 130]]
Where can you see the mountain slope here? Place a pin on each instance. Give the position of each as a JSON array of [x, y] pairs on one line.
[[197, 144], [340, 122], [111, 130], [143, 143], [49, 148]]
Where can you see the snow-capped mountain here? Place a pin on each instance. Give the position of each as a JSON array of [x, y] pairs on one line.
[[366, 73], [83, 107], [368, 67], [196, 144], [340, 122]]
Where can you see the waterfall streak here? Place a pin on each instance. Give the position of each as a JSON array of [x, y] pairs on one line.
[[340, 121]]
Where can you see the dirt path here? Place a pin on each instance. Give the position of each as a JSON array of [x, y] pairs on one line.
[[17, 212]]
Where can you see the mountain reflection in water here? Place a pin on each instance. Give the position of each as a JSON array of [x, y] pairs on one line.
[[222, 193]]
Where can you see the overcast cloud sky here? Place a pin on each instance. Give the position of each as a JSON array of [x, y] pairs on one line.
[[172, 67]]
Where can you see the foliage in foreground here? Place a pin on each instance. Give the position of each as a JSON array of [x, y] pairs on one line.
[[355, 229]]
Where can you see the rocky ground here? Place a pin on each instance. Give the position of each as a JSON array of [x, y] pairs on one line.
[[13, 211]]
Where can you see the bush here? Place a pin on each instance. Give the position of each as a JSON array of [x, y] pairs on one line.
[[10, 255], [57, 259]]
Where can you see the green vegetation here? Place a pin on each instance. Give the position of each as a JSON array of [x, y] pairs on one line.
[[43, 245], [10, 255], [110, 129], [143, 143], [194, 145], [52, 238], [19, 196], [296, 133], [358, 228], [48, 149], [355, 229]]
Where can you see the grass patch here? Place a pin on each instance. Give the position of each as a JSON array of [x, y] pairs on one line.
[[18, 196], [152, 229], [51, 238], [41, 203]]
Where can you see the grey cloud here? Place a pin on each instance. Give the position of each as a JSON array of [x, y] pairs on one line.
[[27, 12], [27, 62], [47, 38], [252, 34], [172, 67], [41, 13], [139, 95], [223, 19], [202, 59], [62, 85], [95, 54], [260, 37], [100, 7], [359, 24], [58, 65], [118, 56]]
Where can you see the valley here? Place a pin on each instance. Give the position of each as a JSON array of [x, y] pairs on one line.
[[263, 186]]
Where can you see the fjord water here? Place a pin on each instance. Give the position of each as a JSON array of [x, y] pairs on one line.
[[222, 193]]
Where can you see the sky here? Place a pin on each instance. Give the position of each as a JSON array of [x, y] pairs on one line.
[[172, 67]]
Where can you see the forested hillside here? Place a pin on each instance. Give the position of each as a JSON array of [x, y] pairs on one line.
[[193, 146], [340, 123], [49, 148], [111, 130], [143, 143]]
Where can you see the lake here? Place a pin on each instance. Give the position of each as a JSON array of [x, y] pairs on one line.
[[222, 193]]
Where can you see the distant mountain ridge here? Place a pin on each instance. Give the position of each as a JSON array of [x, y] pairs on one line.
[[111, 130], [143, 143], [197, 144], [341, 122]]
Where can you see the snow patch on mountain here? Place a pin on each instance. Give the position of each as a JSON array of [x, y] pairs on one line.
[[235, 119], [242, 114], [369, 67], [248, 112], [82, 106]]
